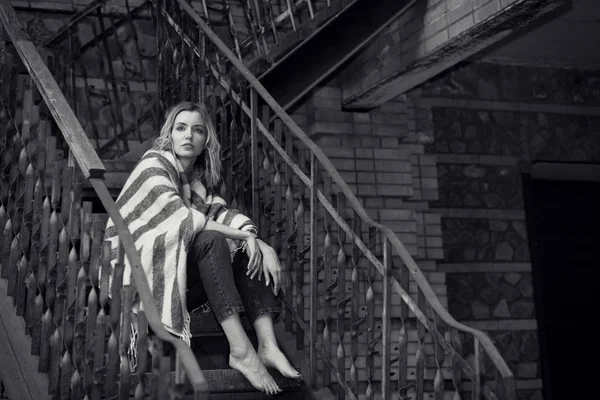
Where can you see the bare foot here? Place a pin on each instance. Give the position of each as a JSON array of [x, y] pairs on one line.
[[248, 363], [272, 357]]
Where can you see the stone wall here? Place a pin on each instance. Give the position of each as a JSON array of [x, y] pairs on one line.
[[490, 123]]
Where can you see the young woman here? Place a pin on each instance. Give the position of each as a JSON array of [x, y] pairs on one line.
[[192, 246]]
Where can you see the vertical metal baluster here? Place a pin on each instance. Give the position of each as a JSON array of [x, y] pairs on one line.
[[41, 217], [300, 269], [355, 320], [88, 96], [476, 393], [457, 374], [291, 232], [131, 101], [70, 71], [403, 336], [261, 29], [439, 356], [386, 320], [114, 317], [314, 279], [101, 317], [47, 362], [254, 155], [328, 282], [252, 24], [185, 62], [291, 14], [370, 303], [232, 29], [266, 175], [107, 72], [342, 297], [142, 354], [125, 340], [160, 78], [311, 11], [139, 54], [269, 11], [277, 194], [420, 355], [114, 87]]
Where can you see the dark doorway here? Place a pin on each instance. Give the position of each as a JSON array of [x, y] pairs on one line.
[[564, 223]]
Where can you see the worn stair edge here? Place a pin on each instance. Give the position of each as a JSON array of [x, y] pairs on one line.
[[18, 369], [225, 381]]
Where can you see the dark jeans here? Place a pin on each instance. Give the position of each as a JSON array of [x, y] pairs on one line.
[[212, 275]]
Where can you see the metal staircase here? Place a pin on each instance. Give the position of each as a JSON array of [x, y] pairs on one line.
[[348, 313]]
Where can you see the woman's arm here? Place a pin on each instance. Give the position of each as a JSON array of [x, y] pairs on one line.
[[271, 267], [229, 232], [232, 233]]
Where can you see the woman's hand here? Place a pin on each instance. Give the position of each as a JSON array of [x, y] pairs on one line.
[[271, 268], [255, 255]]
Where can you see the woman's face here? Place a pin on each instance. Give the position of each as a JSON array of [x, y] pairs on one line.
[[189, 135]]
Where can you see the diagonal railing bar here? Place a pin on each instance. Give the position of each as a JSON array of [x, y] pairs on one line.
[[148, 115], [83, 152], [93, 169], [113, 28], [74, 20], [388, 235]]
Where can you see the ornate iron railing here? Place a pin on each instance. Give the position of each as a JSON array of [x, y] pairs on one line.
[[264, 29], [107, 75], [343, 270], [51, 248]]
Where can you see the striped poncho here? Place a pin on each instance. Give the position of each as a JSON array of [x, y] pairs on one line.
[[164, 212]]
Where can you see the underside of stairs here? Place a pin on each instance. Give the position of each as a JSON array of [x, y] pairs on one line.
[[327, 48], [275, 44]]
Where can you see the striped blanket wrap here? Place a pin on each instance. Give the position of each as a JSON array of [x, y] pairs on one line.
[[164, 211]]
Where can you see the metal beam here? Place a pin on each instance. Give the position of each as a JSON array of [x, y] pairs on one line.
[[328, 48], [403, 58], [70, 8]]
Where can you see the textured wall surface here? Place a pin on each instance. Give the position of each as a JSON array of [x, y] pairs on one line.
[[491, 122]]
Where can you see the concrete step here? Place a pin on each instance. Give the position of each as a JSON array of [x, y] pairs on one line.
[[230, 381]]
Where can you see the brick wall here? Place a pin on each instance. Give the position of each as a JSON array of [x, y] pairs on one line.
[[381, 155], [490, 123]]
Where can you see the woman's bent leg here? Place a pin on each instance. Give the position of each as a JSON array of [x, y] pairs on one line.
[[262, 306], [209, 254], [209, 269], [257, 298]]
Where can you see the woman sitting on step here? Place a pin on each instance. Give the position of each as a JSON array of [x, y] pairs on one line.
[[189, 241]]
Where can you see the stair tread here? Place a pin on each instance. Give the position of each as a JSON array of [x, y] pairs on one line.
[[229, 380]]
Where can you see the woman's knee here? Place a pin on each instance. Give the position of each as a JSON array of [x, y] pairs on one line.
[[214, 239]]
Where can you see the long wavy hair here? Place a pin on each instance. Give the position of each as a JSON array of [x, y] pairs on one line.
[[207, 166]]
